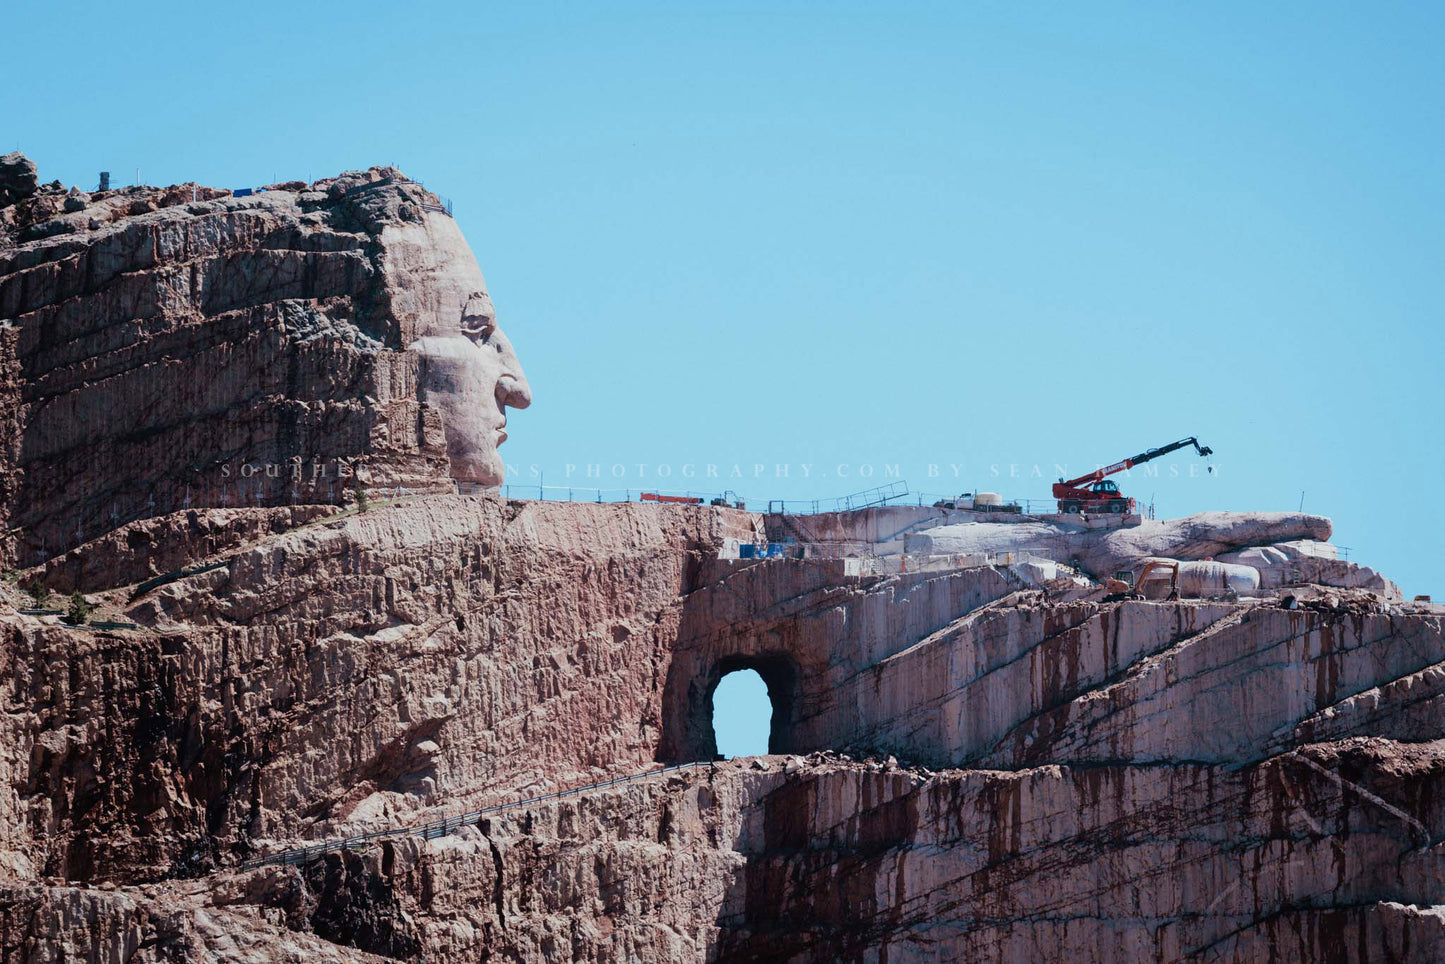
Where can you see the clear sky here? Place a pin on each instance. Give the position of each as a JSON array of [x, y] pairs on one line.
[[844, 235], [742, 715]]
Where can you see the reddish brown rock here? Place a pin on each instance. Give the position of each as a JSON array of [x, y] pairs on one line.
[[424, 659], [176, 348], [1080, 779]]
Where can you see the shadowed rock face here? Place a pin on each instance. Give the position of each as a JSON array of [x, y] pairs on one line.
[[1116, 779], [1080, 780], [181, 348], [18, 178]]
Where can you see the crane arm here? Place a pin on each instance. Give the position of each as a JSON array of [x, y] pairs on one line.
[[1146, 456], [1203, 450]]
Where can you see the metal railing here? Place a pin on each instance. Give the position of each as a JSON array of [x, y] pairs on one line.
[[577, 493], [878, 495], [174, 576], [445, 207], [448, 825], [891, 494]]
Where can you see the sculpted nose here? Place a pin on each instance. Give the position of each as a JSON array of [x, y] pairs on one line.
[[513, 390]]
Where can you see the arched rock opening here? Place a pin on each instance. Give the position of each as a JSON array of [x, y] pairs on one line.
[[693, 736]]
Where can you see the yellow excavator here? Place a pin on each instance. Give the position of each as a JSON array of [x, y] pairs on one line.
[[1123, 585]]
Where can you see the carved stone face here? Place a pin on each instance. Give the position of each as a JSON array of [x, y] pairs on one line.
[[469, 372]]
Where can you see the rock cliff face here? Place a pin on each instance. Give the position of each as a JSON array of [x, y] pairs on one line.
[[1154, 779], [963, 766], [185, 348]]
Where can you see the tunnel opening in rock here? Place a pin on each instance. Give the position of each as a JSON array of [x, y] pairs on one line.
[[742, 714], [750, 707]]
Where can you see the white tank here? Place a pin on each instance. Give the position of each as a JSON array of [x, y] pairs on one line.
[[1207, 578], [988, 498]]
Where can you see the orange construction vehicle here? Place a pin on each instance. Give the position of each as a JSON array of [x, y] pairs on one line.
[[1123, 585], [1095, 493]]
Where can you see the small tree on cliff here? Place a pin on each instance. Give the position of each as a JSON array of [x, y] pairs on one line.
[[80, 609], [363, 501], [40, 593]]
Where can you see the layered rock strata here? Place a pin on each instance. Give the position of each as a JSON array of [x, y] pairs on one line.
[[181, 347], [966, 764], [1279, 769]]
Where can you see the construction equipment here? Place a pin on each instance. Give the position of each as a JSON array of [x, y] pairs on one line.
[[1122, 585], [1094, 492], [1173, 568], [982, 502], [680, 499]]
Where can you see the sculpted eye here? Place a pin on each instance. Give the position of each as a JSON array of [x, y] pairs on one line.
[[478, 329], [478, 320]]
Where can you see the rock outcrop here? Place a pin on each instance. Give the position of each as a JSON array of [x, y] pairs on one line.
[[1283, 547], [19, 178], [964, 764], [184, 347], [1280, 769]]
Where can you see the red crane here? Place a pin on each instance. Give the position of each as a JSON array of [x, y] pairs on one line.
[[1095, 493]]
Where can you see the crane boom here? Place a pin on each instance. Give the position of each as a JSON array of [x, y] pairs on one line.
[[1091, 493], [1146, 456]]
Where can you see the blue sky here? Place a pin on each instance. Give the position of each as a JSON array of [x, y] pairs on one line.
[[742, 714], [911, 235]]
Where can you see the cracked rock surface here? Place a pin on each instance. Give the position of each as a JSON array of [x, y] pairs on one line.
[[963, 766], [1156, 780], [182, 347]]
